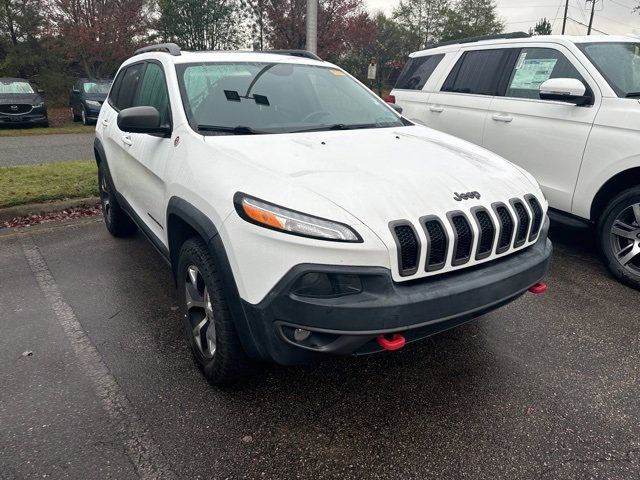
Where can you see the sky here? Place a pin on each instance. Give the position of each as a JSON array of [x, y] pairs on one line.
[[613, 17]]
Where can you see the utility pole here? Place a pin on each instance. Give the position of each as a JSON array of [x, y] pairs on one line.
[[593, 9], [566, 12], [312, 26]]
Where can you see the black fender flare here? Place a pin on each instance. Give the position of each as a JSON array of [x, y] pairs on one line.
[[98, 151], [180, 209]]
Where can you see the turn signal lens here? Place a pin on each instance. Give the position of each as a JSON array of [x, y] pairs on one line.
[[289, 221]]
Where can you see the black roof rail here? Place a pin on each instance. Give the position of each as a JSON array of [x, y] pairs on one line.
[[496, 36], [170, 48], [296, 53]]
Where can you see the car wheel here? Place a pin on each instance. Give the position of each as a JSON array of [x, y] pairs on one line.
[[117, 221], [83, 116], [619, 232], [208, 326], [74, 117]]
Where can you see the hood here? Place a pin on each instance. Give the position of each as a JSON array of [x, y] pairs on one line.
[[31, 98], [381, 175], [98, 97]]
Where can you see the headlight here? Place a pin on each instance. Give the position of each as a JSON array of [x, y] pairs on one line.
[[38, 105], [284, 220], [92, 103]]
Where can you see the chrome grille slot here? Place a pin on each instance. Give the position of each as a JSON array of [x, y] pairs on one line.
[[536, 210], [487, 232], [408, 246], [523, 223], [463, 241], [437, 243]]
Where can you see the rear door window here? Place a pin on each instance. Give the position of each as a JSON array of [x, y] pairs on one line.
[[417, 71], [477, 72], [534, 67]]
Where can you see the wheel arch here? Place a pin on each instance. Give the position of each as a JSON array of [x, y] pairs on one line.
[[98, 151], [185, 221], [621, 181]]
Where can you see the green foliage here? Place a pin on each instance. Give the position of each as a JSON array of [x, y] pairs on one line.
[[422, 21], [543, 27], [471, 18]]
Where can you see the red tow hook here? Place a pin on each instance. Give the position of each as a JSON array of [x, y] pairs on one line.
[[396, 343], [539, 288]]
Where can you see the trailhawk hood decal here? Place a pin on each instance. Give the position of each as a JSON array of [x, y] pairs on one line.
[[386, 174]]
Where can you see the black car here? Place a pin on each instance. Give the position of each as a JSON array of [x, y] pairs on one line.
[[86, 98], [21, 104]]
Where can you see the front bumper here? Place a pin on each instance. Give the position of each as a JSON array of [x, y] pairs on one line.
[[349, 325], [25, 119]]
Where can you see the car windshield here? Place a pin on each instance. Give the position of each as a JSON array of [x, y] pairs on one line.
[[15, 86], [96, 87], [619, 64], [250, 98]]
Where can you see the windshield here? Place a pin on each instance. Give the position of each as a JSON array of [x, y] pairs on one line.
[[15, 86], [246, 98], [619, 64], [96, 87]]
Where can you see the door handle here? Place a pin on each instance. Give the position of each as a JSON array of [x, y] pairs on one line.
[[436, 108], [126, 139], [502, 118]]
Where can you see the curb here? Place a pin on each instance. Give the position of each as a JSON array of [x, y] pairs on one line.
[[7, 214]]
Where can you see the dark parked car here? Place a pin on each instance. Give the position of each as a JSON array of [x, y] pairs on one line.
[[86, 98], [21, 103]]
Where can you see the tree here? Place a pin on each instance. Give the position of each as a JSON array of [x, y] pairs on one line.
[[99, 34], [258, 22], [422, 20], [342, 25], [471, 18], [201, 24], [20, 19], [543, 27]]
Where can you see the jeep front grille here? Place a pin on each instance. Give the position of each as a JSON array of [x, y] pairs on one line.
[[487, 233], [408, 248], [453, 241]]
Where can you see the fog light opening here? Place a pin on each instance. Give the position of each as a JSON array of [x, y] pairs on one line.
[[300, 334]]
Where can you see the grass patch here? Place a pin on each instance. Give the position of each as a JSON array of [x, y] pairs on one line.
[[71, 128], [50, 181]]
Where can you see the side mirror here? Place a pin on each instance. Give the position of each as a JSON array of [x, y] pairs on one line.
[[142, 120], [569, 90], [40, 91], [396, 107], [75, 90]]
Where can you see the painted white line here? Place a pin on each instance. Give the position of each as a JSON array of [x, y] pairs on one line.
[[141, 449]]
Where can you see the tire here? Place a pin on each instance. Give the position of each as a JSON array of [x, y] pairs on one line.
[[74, 117], [208, 325], [83, 117], [619, 236], [117, 221]]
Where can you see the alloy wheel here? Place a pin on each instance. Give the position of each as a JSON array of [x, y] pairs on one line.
[[625, 238], [84, 117], [105, 195], [200, 312]]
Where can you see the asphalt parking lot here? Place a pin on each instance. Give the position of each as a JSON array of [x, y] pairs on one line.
[[545, 388], [29, 149]]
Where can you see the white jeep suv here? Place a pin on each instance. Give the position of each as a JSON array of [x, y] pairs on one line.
[[567, 109], [301, 215]]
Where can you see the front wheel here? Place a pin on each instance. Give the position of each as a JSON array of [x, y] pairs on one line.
[[83, 117], [115, 218], [619, 234], [208, 325]]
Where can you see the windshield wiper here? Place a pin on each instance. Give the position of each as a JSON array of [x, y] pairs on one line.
[[239, 130], [337, 126], [633, 95]]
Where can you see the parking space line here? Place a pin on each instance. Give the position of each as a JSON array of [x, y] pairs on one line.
[[143, 452]]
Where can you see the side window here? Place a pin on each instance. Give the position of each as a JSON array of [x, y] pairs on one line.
[[153, 91], [534, 67], [113, 94], [417, 71], [128, 86], [476, 72]]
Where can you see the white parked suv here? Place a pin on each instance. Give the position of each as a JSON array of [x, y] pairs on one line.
[[301, 215], [566, 109]]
